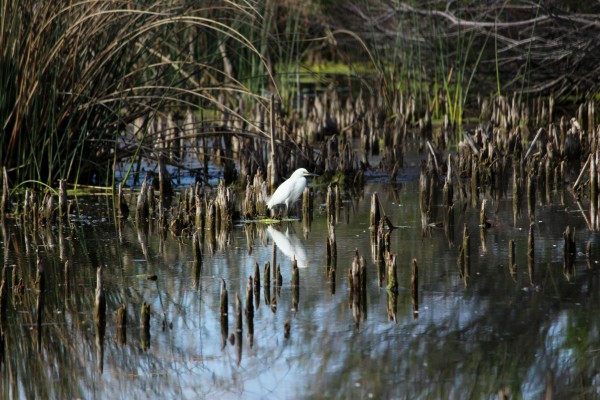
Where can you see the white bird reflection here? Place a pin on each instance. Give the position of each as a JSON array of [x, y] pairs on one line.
[[290, 245]]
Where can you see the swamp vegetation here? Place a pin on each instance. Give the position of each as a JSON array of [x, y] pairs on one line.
[[448, 248]]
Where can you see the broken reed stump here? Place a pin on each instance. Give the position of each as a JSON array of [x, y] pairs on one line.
[[164, 182], [375, 215], [99, 340], [392, 305], [569, 251], [200, 209], [211, 222], [122, 203], [151, 200], [256, 285], [483, 215], [249, 311], [197, 249], [279, 280], [224, 313], [40, 280], [188, 198], [307, 204], [383, 243], [426, 184], [239, 329], [274, 263], [363, 276], [517, 192], [390, 262], [238, 313], [356, 273], [531, 270], [286, 329], [448, 190], [100, 299], [145, 327], [531, 195], [18, 288], [249, 202], [383, 239], [414, 287], [260, 193], [50, 211], [295, 284], [225, 203], [483, 226], [464, 259], [330, 205], [36, 210], [357, 281], [121, 324], [330, 248], [62, 199], [337, 203], [512, 267], [530, 241], [27, 209], [474, 182], [142, 209], [267, 285]]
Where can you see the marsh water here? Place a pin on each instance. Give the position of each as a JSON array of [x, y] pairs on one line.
[[525, 334]]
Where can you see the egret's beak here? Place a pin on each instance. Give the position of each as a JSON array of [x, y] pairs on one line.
[[310, 174]]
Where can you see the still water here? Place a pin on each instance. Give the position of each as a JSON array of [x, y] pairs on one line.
[[526, 335]]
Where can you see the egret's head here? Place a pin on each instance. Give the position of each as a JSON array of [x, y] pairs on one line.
[[302, 172]]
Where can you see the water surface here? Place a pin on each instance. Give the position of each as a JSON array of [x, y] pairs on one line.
[[527, 333]]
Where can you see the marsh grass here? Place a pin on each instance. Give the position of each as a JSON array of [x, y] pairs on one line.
[[75, 74]]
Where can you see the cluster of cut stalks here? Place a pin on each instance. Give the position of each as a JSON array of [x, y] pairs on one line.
[[36, 210], [517, 148], [322, 135], [381, 228]]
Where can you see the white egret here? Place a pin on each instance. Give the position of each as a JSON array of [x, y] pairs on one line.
[[289, 191]]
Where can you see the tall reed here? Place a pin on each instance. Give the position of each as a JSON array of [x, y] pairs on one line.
[[74, 74]]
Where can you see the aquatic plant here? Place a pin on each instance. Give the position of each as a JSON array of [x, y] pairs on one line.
[[74, 75]]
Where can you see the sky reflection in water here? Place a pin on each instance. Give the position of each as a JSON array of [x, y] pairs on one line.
[[498, 332]]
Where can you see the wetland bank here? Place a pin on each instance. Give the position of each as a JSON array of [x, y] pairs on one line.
[[447, 249]]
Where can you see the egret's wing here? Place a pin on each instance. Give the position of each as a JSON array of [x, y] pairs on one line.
[[280, 194]]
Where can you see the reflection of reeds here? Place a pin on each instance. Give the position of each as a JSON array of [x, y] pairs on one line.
[[224, 313], [121, 324], [145, 327], [414, 287]]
